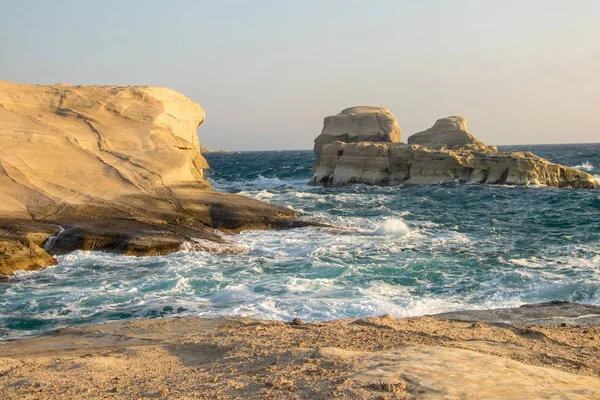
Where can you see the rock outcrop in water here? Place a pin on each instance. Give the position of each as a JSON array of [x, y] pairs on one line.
[[358, 124], [448, 132], [445, 152], [117, 167]]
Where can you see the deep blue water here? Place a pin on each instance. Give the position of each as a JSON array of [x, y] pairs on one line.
[[403, 250]]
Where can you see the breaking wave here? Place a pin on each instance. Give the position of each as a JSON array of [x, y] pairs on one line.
[[393, 227], [585, 166]]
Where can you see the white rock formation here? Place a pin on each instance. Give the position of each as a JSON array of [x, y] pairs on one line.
[[450, 132], [358, 124], [448, 153]]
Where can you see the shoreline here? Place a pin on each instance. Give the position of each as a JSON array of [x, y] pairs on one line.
[[545, 350]]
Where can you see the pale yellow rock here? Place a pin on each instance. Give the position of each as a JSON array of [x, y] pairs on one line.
[[447, 152], [119, 167], [77, 143], [371, 358], [450, 132], [358, 124], [397, 163], [436, 373]]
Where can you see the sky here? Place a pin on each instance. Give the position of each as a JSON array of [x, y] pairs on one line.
[[268, 71]]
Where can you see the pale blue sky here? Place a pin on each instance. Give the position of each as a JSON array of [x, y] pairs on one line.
[[268, 72]]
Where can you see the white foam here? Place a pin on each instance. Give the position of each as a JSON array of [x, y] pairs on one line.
[[529, 263], [263, 194], [371, 265], [586, 166], [199, 245], [262, 181], [393, 227], [50, 242], [183, 286]]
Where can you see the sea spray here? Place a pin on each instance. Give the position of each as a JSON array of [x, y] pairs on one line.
[[393, 227], [585, 166]]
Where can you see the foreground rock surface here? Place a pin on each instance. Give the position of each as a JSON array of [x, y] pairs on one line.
[[358, 124], [551, 313], [114, 168], [445, 152], [371, 358]]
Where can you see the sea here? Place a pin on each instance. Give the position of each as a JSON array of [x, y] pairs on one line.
[[403, 250]]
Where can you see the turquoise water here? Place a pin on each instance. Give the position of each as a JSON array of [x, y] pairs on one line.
[[403, 250]]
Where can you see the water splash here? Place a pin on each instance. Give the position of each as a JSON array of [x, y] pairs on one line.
[[393, 227], [585, 166]]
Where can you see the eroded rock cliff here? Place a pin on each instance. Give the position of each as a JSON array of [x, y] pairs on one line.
[[117, 167], [358, 124], [445, 152]]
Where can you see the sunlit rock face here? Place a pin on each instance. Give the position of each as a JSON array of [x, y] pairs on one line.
[[83, 144], [445, 152], [358, 124], [450, 132], [118, 167]]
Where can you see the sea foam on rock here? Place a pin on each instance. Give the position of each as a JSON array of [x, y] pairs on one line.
[[445, 152]]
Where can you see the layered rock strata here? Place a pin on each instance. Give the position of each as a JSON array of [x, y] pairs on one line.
[[115, 168], [358, 124], [446, 152]]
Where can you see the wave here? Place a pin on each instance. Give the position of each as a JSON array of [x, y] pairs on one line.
[[52, 239], [203, 245], [394, 227], [585, 166], [260, 183], [406, 251]]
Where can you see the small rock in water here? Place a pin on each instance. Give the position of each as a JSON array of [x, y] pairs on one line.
[[297, 321]]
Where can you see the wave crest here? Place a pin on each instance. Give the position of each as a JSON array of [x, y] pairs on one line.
[[394, 227], [196, 245], [586, 166]]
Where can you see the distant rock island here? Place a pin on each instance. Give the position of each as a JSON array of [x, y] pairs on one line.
[[206, 150], [362, 145], [113, 168]]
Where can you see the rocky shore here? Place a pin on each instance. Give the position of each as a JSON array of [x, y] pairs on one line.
[[542, 351], [356, 148], [120, 169], [112, 168]]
